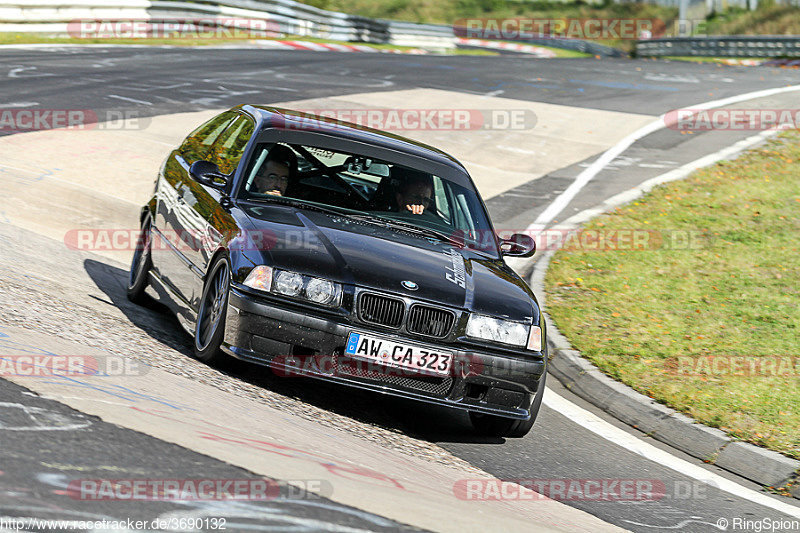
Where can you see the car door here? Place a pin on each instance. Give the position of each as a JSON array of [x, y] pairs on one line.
[[172, 261], [201, 221]]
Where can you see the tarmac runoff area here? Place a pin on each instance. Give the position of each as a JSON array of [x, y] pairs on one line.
[[280, 446], [98, 179]]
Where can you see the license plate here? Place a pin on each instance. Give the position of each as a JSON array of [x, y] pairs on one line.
[[399, 355]]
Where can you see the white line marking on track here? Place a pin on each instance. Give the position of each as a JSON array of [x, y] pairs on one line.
[[17, 70], [652, 165], [39, 419], [609, 155], [621, 438], [678, 173], [518, 150], [613, 434], [60, 397], [680, 525], [154, 86], [125, 98]]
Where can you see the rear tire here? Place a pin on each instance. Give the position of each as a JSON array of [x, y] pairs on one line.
[[210, 326], [498, 426], [141, 264]]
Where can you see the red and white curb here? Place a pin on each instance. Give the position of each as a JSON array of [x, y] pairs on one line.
[[538, 51], [743, 62], [278, 45], [331, 47]]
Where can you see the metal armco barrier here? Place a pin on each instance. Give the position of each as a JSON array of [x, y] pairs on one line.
[[578, 45], [412, 34], [564, 43], [730, 46], [287, 16]]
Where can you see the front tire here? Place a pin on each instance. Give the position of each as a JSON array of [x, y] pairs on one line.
[[210, 326], [141, 264], [498, 426]]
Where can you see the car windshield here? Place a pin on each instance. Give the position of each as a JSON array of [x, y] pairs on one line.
[[380, 191]]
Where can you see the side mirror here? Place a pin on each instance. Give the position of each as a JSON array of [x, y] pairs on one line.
[[208, 173], [518, 245]]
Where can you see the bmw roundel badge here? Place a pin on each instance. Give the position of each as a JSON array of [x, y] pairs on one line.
[[410, 285]]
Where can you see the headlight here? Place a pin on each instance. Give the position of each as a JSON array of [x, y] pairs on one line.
[[287, 283], [497, 330], [321, 291]]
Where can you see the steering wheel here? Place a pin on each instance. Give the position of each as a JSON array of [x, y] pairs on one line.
[[350, 192]]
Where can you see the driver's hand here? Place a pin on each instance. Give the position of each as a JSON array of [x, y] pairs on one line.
[[416, 209]]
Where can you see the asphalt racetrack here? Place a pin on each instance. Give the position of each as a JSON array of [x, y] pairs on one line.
[[54, 298]]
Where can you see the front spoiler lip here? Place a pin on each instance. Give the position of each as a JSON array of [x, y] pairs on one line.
[[466, 404]]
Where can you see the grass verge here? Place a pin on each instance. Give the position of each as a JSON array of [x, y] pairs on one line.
[[450, 11], [769, 19], [707, 322], [560, 52]]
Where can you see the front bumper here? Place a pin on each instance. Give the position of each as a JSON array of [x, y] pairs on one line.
[[295, 342]]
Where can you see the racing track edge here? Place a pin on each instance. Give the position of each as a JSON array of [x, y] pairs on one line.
[[711, 445]]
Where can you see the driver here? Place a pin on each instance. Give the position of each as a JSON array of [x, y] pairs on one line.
[[276, 171], [415, 193]]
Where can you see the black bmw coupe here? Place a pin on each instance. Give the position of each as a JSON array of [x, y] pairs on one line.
[[331, 250]]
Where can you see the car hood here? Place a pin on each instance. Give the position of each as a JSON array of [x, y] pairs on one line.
[[372, 256]]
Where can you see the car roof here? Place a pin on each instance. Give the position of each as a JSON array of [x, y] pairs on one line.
[[268, 116]]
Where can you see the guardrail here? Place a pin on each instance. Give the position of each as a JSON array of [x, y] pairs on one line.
[[285, 16], [553, 41], [730, 46], [578, 45], [294, 18], [413, 34]]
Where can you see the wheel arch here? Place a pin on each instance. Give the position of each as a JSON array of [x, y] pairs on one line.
[[219, 252]]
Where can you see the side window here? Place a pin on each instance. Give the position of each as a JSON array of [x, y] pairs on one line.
[[227, 150], [260, 155], [197, 144], [465, 216], [440, 196]]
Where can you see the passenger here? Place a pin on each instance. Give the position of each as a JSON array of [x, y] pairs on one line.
[[275, 173]]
